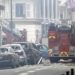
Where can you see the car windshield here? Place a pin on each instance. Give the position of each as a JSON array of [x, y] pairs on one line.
[[34, 46], [15, 48], [42, 47], [3, 50], [24, 46]]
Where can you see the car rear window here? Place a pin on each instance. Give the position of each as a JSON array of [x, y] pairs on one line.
[[3, 50]]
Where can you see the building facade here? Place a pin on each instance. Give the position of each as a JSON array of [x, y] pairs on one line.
[[47, 9], [29, 14], [64, 13], [71, 8], [21, 12], [67, 11]]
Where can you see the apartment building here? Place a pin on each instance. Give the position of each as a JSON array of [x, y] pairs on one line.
[[29, 15], [21, 12]]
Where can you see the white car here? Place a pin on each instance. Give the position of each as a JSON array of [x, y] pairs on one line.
[[20, 51]]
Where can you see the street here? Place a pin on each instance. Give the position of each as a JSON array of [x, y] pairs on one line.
[[51, 69], [16, 71]]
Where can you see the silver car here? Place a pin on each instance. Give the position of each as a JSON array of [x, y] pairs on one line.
[[8, 57], [20, 51]]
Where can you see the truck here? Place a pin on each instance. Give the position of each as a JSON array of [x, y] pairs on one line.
[[60, 44]]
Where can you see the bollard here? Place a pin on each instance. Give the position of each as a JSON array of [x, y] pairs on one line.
[[72, 71], [67, 73]]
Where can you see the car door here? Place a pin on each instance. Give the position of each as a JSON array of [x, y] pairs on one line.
[[35, 52]]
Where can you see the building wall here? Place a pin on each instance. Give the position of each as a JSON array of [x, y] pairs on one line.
[[48, 10], [31, 31], [37, 9], [28, 13]]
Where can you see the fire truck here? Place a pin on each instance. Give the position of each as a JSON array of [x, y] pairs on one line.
[[60, 39]]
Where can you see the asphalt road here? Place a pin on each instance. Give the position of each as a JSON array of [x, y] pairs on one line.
[[17, 71], [51, 69]]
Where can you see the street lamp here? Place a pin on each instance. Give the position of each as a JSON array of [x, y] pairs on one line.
[[1, 17], [12, 25], [11, 15]]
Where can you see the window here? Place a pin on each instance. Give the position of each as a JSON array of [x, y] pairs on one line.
[[20, 10], [3, 50]]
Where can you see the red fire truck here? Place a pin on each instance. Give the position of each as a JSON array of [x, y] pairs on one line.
[[60, 47]]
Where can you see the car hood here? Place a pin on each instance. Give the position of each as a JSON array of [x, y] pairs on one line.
[[5, 54]]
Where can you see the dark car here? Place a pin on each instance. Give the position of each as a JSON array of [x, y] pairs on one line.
[[32, 53], [43, 49], [8, 57]]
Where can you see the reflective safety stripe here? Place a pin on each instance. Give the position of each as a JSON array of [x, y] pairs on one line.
[[63, 54], [51, 37]]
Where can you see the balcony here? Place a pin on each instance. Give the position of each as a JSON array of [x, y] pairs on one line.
[[27, 21]]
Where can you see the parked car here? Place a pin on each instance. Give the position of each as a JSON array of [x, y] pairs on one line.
[[8, 57], [43, 49], [20, 51], [32, 53]]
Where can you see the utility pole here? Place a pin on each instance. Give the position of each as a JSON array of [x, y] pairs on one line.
[[11, 10], [11, 22], [1, 17], [0, 31]]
